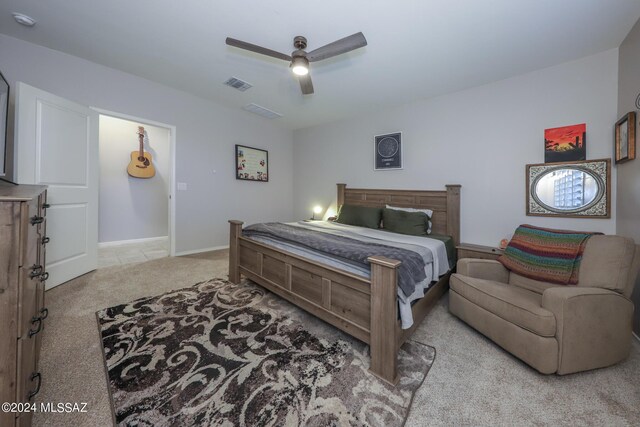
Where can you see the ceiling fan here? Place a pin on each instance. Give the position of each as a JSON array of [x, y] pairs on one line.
[[300, 59]]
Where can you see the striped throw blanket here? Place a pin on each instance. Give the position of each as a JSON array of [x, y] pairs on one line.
[[544, 254]]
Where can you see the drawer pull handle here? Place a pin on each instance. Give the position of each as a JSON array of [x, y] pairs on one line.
[[36, 270], [46, 206], [35, 320], [34, 376], [37, 220], [44, 313], [45, 240], [44, 276]]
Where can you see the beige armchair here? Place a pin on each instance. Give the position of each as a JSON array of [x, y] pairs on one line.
[[554, 329]]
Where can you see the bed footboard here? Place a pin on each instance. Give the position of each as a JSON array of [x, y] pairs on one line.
[[365, 309]]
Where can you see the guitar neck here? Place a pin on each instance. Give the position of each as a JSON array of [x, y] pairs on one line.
[[141, 139]]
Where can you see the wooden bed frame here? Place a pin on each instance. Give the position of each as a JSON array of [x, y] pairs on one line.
[[365, 309]]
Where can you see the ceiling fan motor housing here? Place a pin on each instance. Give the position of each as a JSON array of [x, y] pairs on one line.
[[300, 42]]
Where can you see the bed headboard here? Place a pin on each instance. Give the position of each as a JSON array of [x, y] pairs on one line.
[[445, 204]]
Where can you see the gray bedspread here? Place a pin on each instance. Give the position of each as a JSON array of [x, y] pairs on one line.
[[410, 273]]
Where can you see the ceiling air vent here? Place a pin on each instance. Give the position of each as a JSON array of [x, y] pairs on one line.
[[261, 111], [235, 83]]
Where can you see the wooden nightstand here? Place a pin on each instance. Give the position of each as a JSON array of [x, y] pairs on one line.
[[467, 250]]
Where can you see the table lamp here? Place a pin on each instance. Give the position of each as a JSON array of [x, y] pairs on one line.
[[316, 210]]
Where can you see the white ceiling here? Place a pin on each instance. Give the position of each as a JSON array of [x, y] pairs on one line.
[[417, 48]]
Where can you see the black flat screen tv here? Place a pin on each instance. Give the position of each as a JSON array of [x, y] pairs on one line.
[[4, 116]]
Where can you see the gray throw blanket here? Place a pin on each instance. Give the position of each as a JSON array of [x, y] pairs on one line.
[[410, 273]]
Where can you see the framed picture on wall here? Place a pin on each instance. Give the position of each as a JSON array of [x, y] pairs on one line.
[[387, 153], [252, 164], [565, 144], [626, 138]]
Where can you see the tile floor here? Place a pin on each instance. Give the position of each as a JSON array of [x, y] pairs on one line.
[[132, 252]]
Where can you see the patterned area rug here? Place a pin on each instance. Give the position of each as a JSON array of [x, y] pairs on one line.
[[236, 355]]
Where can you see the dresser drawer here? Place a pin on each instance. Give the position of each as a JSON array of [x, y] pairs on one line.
[[31, 223], [43, 313], [42, 242], [462, 253], [28, 303], [28, 380], [467, 250], [42, 204]]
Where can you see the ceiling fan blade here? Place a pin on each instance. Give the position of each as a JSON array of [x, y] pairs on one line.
[[306, 85], [338, 47], [257, 49]]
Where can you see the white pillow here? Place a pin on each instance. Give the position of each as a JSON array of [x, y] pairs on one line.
[[429, 213]]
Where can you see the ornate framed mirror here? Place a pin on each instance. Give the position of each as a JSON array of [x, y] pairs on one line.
[[570, 189]]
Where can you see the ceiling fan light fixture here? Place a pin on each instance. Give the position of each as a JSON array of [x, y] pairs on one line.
[[300, 66]]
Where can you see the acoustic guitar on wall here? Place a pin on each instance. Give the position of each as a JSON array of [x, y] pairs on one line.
[[141, 165]]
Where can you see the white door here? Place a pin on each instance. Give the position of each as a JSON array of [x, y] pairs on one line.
[[57, 146]]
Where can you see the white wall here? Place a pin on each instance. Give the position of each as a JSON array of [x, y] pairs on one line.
[[629, 172], [206, 133], [132, 208], [481, 138], [628, 219]]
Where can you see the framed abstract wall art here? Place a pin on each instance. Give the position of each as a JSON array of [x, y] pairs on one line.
[[626, 138], [565, 144], [252, 164], [387, 153]]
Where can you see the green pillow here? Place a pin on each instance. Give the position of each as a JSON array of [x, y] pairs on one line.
[[413, 223], [361, 216]]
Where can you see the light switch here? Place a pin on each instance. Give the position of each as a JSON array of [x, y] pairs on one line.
[[182, 186]]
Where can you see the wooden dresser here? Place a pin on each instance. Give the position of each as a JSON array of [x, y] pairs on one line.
[[22, 311]]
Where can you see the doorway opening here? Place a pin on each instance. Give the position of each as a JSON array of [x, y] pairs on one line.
[[136, 209]]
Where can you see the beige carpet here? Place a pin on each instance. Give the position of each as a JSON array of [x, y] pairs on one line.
[[472, 381]]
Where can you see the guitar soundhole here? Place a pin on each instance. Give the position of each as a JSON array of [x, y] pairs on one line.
[[143, 160]]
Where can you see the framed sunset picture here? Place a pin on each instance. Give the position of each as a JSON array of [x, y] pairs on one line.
[[565, 144]]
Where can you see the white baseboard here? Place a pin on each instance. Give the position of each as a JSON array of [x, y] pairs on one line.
[[635, 335], [197, 251], [132, 241]]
